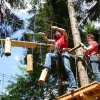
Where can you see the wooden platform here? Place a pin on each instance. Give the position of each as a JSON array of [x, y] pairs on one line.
[[89, 92]]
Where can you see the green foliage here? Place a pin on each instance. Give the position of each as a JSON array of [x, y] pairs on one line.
[[24, 86], [28, 37], [17, 3], [61, 17], [90, 28], [41, 21], [54, 12]]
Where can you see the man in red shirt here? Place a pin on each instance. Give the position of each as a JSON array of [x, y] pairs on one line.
[[61, 46], [91, 52]]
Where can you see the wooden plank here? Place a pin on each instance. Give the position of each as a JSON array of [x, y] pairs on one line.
[[26, 44], [73, 49], [86, 89], [94, 93]]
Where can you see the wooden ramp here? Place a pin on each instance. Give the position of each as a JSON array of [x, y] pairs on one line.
[[89, 92]]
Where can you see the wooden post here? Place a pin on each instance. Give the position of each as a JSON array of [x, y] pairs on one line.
[[43, 76], [30, 63], [7, 46]]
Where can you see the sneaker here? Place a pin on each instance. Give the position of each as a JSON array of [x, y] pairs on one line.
[[58, 82], [74, 88], [71, 89], [64, 83]]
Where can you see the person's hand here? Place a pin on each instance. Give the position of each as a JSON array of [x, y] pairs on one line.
[[45, 38], [84, 47], [41, 33], [54, 27], [64, 49]]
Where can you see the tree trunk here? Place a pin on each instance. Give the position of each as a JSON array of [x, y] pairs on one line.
[[77, 40]]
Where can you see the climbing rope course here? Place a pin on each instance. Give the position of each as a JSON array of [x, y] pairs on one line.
[[5, 38]]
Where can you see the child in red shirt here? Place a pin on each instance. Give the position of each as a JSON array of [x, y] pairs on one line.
[[91, 52]]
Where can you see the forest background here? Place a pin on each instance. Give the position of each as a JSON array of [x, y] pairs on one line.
[[47, 13]]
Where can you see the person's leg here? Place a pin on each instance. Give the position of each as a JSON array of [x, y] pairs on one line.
[[66, 61], [95, 67], [48, 58]]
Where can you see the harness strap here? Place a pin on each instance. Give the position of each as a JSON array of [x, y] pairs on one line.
[[94, 61], [66, 57]]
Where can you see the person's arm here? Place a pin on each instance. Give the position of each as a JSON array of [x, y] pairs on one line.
[[45, 37], [63, 31], [48, 40], [90, 47]]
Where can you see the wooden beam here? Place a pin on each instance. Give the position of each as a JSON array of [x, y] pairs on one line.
[[26, 44], [77, 92], [73, 49]]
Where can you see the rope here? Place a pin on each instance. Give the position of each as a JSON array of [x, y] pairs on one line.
[[33, 44], [3, 84], [24, 39], [76, 72], [41, 53], [39, 91], [34, 31], [52, 37], [12, 21], [1, 47]]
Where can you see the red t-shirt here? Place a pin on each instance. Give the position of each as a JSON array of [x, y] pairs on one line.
[[61, 42], [95, 48]]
